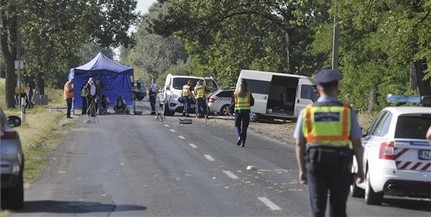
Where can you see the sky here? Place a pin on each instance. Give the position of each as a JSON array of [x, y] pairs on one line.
[[143, 5]]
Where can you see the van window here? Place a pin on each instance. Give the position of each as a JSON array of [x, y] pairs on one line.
[[211, 86], [178, 83], [309, 92], [259, 87], [412, 126]]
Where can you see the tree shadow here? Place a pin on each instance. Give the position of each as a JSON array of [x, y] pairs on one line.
[[52, 206]]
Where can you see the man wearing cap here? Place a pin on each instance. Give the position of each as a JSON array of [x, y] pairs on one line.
[[326, 132]]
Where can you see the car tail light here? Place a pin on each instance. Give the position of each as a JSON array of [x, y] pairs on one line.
[[387, 151], [211, 100], [7, 134]]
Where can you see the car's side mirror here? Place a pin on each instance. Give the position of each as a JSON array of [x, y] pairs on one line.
[[14, 121]]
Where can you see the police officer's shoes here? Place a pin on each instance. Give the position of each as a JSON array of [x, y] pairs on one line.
[[243, 143], [238, 142]]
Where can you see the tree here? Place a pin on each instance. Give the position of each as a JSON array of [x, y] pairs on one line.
[[51, 38], [227, 36]]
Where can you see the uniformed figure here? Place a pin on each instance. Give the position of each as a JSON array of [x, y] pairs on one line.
[[201, 106], [325, 134], [68, 93], [242, 100], [187, 97], [153, 94]]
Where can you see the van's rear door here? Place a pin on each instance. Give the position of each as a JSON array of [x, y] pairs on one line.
[[259, 84], [306, 94]]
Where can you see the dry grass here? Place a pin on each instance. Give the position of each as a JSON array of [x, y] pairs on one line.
[[40, 129]]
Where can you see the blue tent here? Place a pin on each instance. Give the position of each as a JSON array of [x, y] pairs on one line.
[[116, 78]]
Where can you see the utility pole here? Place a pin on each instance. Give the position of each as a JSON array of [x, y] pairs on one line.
[[335, 37]]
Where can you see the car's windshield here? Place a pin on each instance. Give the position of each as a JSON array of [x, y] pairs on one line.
[[178, 83], [412, 126]]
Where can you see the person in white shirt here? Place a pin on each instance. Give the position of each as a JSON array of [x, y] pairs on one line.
[[153, 94]]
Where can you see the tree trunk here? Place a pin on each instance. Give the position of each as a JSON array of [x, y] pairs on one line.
[[423, 87]]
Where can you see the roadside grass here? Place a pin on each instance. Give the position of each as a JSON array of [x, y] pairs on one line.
[[40, 129]]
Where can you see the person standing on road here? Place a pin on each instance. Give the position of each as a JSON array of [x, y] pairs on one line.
[[199, 94], [323, 134], [68, 93], [186, 95], [99, 93], [84, 94], [241, 101], [153, 94]]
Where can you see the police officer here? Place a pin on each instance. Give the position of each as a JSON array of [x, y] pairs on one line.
[[199, 93], [325, 134], [242, 100], [186, 95]]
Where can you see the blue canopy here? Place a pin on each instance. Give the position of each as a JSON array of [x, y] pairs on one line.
[[116, 78]]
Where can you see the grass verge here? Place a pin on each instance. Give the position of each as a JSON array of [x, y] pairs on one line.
[[40, 132]]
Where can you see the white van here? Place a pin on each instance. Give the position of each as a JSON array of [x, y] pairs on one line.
[[278, 95], [172, 91]]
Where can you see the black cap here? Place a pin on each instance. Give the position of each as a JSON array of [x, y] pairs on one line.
[[327, 76]]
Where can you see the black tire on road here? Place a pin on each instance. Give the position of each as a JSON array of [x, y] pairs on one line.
[[14, 197], [224, 111], [371, 197], [166, 111], [356, 191]]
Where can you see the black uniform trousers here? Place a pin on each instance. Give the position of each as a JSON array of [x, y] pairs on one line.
[[69, 106], [153, 102], [328, 171], [242, 120]]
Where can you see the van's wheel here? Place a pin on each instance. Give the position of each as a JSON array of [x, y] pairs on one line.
[[166, 111], [254, 117], [372, 197], [14, 197]]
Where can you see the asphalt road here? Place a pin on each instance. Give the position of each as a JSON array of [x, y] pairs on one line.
[[133, 165]]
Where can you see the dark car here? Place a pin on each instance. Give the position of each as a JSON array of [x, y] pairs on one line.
[[139, 92]]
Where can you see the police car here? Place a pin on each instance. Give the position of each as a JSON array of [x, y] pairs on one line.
[[219, 102], [397, 157]]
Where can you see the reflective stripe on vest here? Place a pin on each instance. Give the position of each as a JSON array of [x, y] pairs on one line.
[[199, 91], [186, 90], [242, 103], [329, 125]]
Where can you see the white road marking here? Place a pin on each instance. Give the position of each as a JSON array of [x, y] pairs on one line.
[[181, 137], [193, 145], [269, 203], [166, 125], [209, 158], [172, 130], [230, 174]]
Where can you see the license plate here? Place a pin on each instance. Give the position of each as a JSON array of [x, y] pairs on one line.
[[424, 155]]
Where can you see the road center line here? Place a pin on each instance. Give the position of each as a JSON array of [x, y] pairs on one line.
[[230, 174], [193, 145], [181, 137], [172, 130], [209, 158], [269, 203]]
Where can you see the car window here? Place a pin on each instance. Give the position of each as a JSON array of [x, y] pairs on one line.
[[225, 94], [376, 122], [309, 92], [383, 128], [412, 126], [211, 86]]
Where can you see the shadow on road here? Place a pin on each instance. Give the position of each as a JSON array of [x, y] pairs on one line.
[[414, 204], [52, 206]]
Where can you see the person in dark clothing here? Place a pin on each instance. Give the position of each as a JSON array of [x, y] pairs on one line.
[[84, 95], [241, 101], [30, 95], [325, 133], [153, 94]]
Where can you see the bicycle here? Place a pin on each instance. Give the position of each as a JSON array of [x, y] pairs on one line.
[[91, 110]]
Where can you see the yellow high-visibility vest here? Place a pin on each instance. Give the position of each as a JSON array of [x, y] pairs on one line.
[[186, 90], [199, 91], [328, 125], [242, 103]]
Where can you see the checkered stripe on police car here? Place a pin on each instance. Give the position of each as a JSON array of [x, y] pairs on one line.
[[410, 165], [223, 99]]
